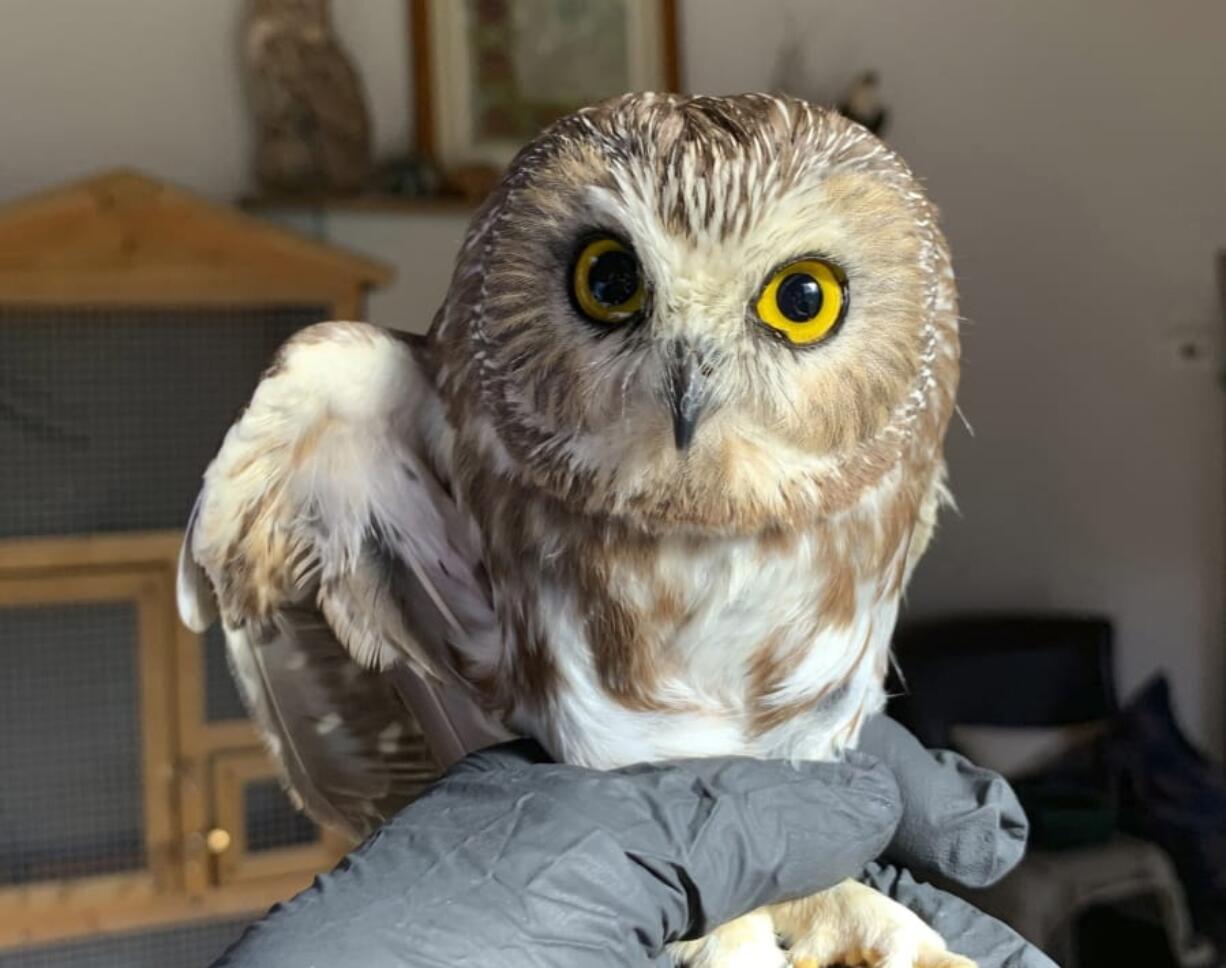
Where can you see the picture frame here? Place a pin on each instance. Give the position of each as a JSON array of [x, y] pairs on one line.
[[489, 74]]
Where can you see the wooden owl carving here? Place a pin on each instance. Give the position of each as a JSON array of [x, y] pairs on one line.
[[313, 127], [651, 486]]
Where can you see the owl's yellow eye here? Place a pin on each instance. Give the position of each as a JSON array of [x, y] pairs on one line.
[[804, 301], [607, 282]]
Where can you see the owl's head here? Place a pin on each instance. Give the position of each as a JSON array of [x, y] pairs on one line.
[[703, 313]]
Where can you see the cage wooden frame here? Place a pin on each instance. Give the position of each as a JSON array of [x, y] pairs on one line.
[[146, 589], [231, 771], [123, 239], [178, 751]]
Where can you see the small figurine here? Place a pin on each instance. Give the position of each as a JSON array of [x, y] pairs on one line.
[[314, 128], [411, 176], [862, 103]]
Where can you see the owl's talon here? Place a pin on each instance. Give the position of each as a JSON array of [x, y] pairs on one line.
[[747, 942], [853, 925]]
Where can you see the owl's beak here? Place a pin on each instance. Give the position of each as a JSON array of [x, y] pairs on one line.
[[687, 377]]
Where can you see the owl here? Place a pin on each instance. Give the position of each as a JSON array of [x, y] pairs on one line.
[[313, 126], [651, 487]]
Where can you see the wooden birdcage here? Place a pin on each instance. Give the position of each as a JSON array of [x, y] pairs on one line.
[[135, 320]]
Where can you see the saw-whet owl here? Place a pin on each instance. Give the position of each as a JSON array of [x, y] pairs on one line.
[[651, 486]]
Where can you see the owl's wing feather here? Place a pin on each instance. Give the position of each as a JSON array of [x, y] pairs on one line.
[[337, 730], [193, 591], [328, 543]]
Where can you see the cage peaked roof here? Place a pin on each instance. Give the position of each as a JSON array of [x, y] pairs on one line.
[[124, 230]]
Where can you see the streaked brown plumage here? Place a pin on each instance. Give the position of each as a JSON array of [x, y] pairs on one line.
[[529, 508]]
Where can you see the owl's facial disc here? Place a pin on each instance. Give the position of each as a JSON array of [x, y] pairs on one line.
[[703, 312]]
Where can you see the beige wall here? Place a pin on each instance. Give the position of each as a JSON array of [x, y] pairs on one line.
[[1077, 151]]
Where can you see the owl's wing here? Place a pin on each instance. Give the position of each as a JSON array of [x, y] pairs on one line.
[[327, 540]]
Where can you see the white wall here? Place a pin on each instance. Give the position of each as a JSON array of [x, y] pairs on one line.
[[1076, 149]]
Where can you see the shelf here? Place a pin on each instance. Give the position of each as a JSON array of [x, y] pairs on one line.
[[384, 204]]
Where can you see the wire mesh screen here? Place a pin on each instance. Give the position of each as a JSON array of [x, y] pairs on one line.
[[70, 748], [189, 946], [109, 415], [271, 820], [221, 698]]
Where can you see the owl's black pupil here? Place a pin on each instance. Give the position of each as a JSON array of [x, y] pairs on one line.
[[799, 297], [613, 278]]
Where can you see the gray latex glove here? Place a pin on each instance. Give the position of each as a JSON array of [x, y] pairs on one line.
[[958, 821], [513, 860]]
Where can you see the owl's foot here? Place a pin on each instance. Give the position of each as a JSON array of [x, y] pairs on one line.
[[853, 925], [747, 942], [850, 925]]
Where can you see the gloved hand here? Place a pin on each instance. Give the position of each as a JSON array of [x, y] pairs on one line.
[[960, 822], [513, 860]]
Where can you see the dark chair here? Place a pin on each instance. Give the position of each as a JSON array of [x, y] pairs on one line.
[[1002, 670], [1036, 672]]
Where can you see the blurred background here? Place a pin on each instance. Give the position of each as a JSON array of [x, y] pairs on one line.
[[168, 219]]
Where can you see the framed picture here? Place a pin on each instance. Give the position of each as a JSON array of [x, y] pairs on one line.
[[490, 74]]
